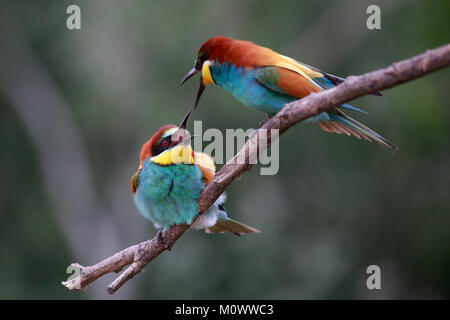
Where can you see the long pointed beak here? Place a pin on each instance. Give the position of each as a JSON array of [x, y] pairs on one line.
[[201, 88], [191, 72], [182, 135], [185, 119], [188, 139]]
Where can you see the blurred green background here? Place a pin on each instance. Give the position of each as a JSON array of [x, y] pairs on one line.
[[76, 106]]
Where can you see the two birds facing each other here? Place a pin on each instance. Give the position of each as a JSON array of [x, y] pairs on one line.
[[171, 176]]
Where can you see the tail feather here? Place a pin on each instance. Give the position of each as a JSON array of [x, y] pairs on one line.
[[230, 225], [341, 123], [337, 80], [350, 107]]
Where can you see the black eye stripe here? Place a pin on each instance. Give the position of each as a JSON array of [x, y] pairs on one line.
[[161, 147], [165, 142], [200, 60], [198, 64]]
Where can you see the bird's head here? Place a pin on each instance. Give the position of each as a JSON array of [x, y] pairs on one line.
[[212, 51], [169, 145]]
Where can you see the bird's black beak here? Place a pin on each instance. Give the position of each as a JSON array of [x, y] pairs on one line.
[[188, 75], [181, 135], [201, 88], [185, 119]]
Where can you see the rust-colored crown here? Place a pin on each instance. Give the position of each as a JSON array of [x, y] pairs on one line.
[[239, 52], [146, 150]]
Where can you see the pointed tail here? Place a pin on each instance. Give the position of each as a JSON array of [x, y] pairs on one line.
[[341, 123], [230, 225]]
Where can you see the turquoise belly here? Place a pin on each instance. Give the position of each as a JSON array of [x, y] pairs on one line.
[[168, 195]]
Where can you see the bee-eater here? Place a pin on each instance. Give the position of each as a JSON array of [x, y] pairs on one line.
[[167, 185], [263, 79]]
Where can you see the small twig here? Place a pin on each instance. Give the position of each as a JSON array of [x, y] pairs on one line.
[[138, 256]]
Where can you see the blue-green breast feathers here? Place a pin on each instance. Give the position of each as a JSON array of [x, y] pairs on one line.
[[243, 84], [168, 195]]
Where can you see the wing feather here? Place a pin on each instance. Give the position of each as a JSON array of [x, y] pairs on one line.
[[206, 165], [287, 81]]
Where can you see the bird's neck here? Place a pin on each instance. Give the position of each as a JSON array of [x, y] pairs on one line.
[[228, 76]]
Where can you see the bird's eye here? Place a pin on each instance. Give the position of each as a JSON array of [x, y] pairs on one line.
[[161, 146], [200, 60], [198, 64]]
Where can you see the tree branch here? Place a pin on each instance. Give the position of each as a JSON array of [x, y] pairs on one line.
[[138, 256]]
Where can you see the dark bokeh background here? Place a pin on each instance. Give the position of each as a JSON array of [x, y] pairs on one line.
[[76, 106]]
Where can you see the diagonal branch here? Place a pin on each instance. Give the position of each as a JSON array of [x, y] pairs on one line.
[[138, 256]]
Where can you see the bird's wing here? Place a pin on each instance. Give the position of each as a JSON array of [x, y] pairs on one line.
[[134, 182], [296, 83], [323, 79], [206, 165], [281, 79], [294, 65]]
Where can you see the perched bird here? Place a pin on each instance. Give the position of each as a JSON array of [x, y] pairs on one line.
[[263, 79], [167, 185]]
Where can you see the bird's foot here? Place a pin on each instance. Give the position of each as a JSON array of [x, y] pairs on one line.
[[159, 236]]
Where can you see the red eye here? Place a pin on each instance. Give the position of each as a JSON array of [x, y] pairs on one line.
[[165, 143]]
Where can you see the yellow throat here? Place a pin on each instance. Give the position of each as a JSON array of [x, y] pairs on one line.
[[206, 73], [181, 153]]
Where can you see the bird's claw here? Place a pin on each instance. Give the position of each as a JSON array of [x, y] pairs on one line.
[[159, 236]]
